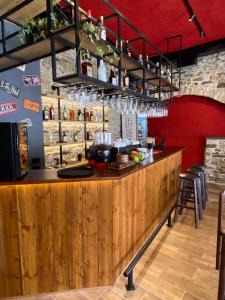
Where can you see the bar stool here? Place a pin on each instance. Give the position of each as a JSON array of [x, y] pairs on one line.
[[188, 192], [203, 168], [202, 179], [220, 249]]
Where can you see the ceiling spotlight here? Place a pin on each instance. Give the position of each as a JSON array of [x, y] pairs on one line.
[[202, 34], [191, 18]]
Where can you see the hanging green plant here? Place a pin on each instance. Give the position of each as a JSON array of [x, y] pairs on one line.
[[91, 30], [99, 51], [36, 29]]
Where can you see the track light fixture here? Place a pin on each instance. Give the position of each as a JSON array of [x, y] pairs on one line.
[[191, 18]]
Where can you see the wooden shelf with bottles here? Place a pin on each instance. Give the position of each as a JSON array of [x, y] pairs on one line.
[[76, 132]]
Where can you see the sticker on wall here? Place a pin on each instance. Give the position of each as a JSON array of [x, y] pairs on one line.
[[22, 68], [27, 121], [9, 88], [31, 105], [8, 107], [31, 80]]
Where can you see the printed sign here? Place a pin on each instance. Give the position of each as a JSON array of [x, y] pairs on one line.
[[30, 105], [31, 80], [9, 88], [8, 107], [129, 126], [22, 68]]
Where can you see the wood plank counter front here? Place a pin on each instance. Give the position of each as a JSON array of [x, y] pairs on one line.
[[60, 234]]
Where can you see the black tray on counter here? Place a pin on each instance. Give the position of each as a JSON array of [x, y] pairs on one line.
[[75, 172]]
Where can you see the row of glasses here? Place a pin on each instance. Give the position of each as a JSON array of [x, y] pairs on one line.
[[88, 95]]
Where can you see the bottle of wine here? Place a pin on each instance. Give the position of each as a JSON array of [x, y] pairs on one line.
[[127, 49], [126, 80], [101, 29], [51, 113], [112, 77], [65, 113], [140, 60], [91, 115], [86, 66], [148, 65], [45, 113], [102, 71]]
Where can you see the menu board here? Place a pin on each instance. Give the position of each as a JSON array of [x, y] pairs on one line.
[[129, 126]]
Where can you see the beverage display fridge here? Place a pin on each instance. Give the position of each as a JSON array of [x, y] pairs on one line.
[[13, 151], [142, 129]]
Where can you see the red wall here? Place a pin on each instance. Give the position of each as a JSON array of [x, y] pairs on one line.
[[190, 120]]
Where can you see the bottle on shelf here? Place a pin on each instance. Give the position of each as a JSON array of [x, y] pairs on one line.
[[75, 136], [87, 115], [106, 116], [102, 29], [119, 47], [127, 49], [91, 115], [72, 114], [112, 77], [51, 113], [140, 59], [64, 137], [65, 113], [148, 65], [79, 115], [45, 113], [102, 71], [86, 66], [126, 80]]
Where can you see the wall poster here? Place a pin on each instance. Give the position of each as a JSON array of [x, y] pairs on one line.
[[9, 88], [8, 107], [129, 126]]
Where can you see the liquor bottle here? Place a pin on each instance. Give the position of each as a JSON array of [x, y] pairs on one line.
[[91, 115], [139, 88], [64, 137], [148, 65], [79, 115], [45, 113], [87, 115], [106, 116], [140, 60], [112, 77], [86, 66], [127, 49], [87, 135], [119, 47], [71, 114], [75, 136], [126, 80], [101, 29], [51, 113], [88, 18], [65, 113], [102, 71]]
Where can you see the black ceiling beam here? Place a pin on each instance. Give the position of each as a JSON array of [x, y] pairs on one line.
[[193, 17], [189, 55]]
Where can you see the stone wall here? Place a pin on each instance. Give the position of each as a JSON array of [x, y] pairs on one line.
[[215, 160], [206, 78]]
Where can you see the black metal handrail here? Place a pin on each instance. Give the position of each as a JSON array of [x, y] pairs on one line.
[[129, 270]]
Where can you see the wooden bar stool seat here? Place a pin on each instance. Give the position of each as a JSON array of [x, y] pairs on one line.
[[201, 189], [189, 193]]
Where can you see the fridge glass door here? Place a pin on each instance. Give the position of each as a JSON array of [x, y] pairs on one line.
[[23, 147]]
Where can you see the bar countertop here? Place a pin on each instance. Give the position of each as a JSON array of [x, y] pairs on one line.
[[50, 175]]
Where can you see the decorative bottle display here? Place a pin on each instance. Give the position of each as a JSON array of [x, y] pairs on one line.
[[112, 77], [101, 29], [86, 66], [102, 71]]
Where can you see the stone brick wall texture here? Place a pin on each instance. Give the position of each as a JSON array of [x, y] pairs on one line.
[[206, 78], [215, 160]]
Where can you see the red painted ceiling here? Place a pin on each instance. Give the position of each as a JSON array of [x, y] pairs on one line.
[[160, 19]]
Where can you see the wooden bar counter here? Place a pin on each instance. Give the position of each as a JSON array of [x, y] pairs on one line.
[[58, 234]]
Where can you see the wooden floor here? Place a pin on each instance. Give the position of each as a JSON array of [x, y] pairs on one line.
[[180, 264]]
